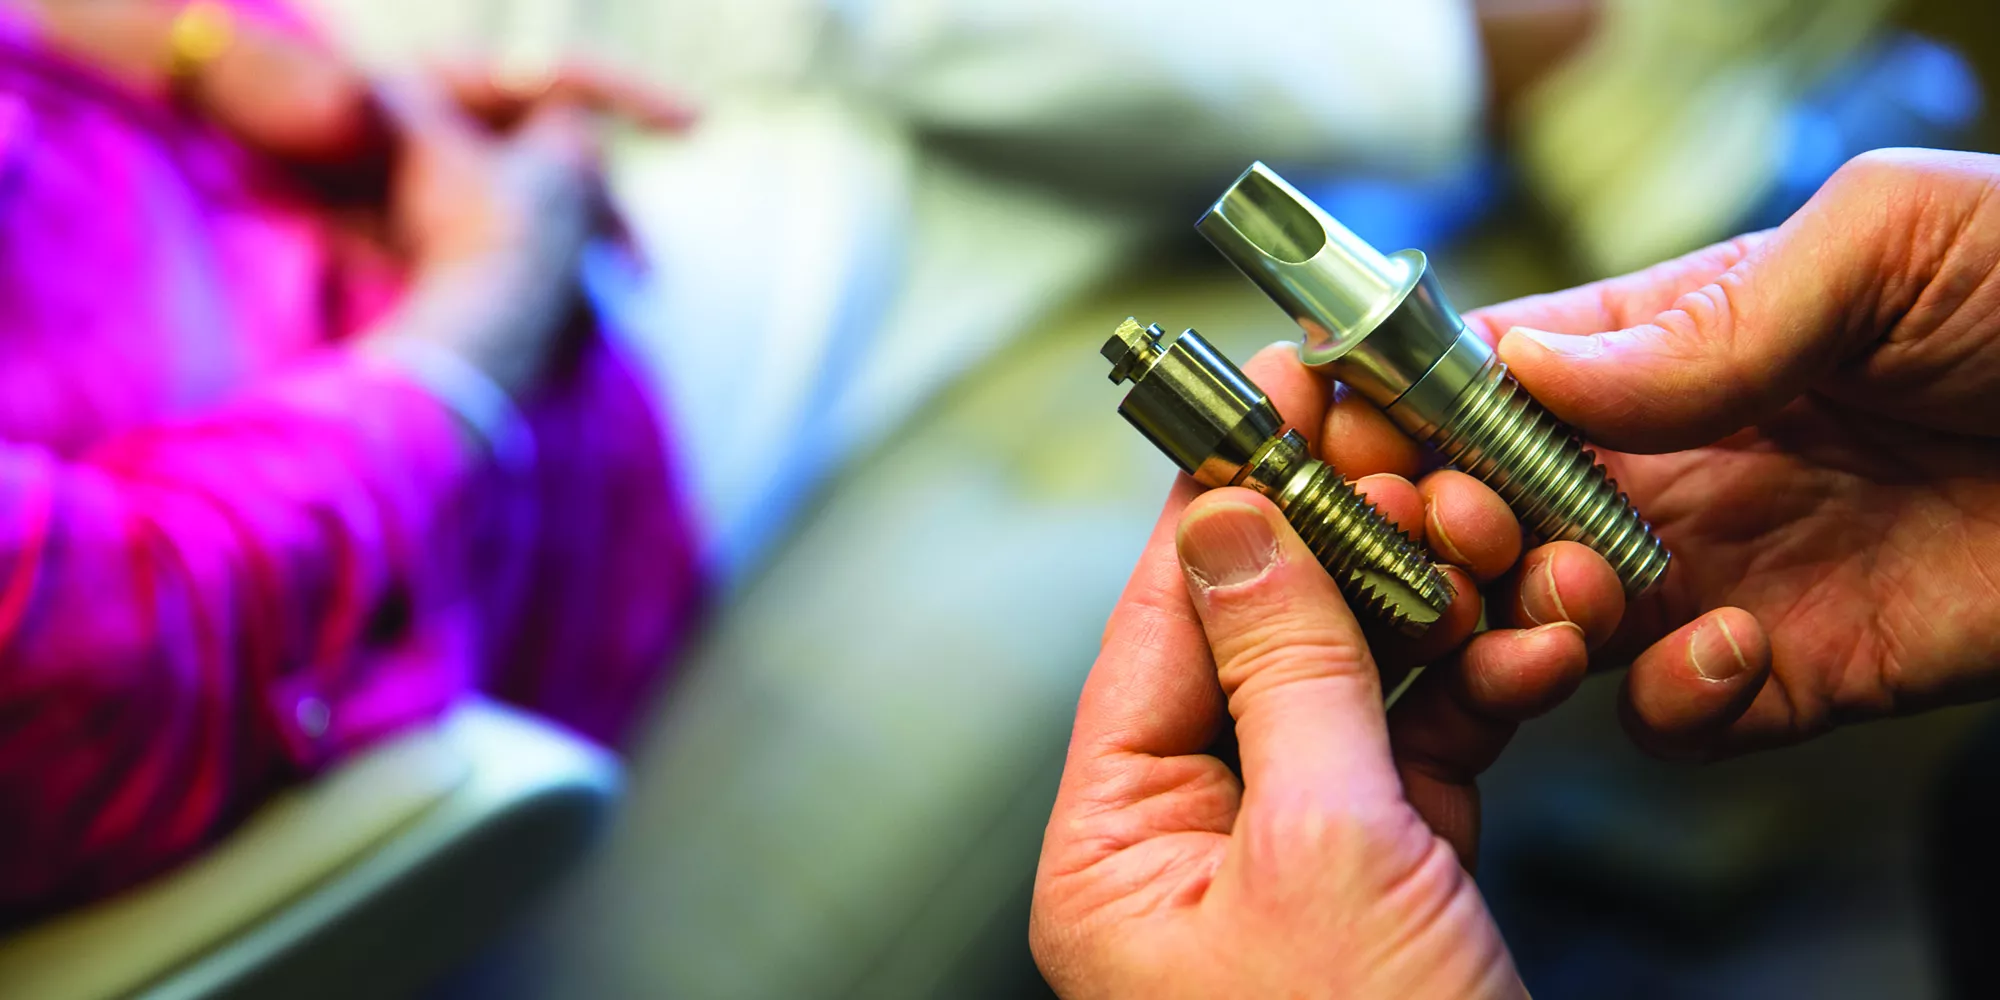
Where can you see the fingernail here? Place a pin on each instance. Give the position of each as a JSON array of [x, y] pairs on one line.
[[1558, 627], [1541, 599], [1714, 653], [1227, 544], [1566, 345]]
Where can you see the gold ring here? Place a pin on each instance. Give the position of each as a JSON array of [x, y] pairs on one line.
[[198, 36]]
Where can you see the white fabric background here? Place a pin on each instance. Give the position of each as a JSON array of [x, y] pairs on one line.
[[815, 274]]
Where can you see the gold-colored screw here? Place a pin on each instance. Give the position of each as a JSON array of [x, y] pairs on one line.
[[1221, 429]]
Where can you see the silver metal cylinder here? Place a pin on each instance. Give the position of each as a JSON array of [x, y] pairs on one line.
[[1198, 408], [1381, 324]]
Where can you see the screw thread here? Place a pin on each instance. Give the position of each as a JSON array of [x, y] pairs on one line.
[[1497, 433], [1378, 567]]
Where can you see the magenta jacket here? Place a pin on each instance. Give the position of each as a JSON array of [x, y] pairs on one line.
[[230, 549]]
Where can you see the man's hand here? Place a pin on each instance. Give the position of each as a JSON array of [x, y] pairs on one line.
[[1336, 865], [1809, 416]]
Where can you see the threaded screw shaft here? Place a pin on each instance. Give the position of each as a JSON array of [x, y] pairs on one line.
[[1497, 433], [1379, 568]]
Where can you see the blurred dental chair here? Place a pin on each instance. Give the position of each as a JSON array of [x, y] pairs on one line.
[[372, 881]]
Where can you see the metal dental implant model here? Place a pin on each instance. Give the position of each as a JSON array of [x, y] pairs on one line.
[[1382, 325], [1200, 409]]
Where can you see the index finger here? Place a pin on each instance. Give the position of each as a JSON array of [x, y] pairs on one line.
[[502, 99]]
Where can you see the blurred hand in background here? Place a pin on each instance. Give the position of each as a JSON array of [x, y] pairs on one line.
[[495, 189], [487, 185], [494, 225]]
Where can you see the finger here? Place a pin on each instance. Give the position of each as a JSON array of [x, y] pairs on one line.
[[1298, 394], [1467, 525], [1152, 690], [1567, 582], [624, 96], [1292, 661], [1397, 500], [1683, 694], [502, 99], [1457, 624], [1450, 808], [1359, 440], [1797, 306], [1453, 725], [1518, 674]]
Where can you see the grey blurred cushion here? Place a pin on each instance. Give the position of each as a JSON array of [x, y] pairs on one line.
[[373, 879]]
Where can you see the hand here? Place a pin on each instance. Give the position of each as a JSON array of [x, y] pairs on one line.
[[279, 91], [1808, 417], [1337, 865], [493, 194], [491, 184]]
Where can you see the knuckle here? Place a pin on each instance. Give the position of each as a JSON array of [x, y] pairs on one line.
[[1871, 169], [1711, 309], [1278, 657], [1897, 186], [1710, 323]]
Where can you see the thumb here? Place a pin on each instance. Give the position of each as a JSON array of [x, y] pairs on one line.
[[1297, 672], [1814, 294], [1721, 358]]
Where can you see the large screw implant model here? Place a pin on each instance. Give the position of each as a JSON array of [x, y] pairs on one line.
[[1382, 325], [1221, 429]]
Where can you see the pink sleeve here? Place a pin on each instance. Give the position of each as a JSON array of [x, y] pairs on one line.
[[196, 613]]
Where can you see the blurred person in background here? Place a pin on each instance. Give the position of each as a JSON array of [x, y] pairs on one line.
[[307, 431], [311, 423], [1801, 413]]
